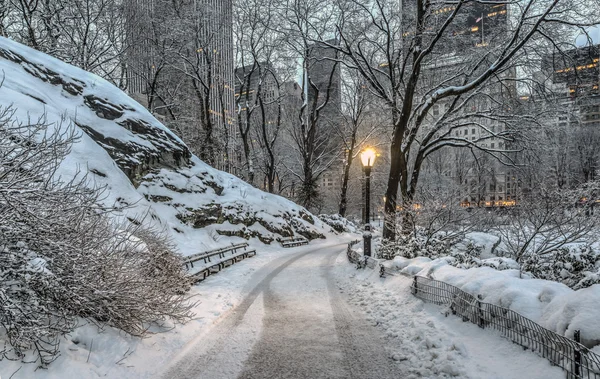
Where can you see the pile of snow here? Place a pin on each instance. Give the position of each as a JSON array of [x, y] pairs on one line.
[[147, 171], [553, 305]]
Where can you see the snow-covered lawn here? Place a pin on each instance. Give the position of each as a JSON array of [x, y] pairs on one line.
[[429, 343]]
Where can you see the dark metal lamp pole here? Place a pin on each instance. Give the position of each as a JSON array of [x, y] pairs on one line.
[[368, 158]]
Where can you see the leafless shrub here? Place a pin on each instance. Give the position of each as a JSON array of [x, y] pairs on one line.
[[63, 257], [547, 220]]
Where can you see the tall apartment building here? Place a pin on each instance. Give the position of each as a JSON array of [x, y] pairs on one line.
[[187, 48], [575, 77], [482, 180], [573, 86], [326, 76]]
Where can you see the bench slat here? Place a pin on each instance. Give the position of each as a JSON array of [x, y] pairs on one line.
[[218, 266]]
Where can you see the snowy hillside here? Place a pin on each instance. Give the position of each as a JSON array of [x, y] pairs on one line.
[[146, 169]]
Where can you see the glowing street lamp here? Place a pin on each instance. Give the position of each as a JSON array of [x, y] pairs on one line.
[[367, 157]]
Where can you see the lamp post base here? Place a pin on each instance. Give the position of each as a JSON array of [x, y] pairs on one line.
[[367, 240]]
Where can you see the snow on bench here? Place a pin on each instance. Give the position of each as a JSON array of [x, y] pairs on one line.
[[293, 241], [214, 267], [206, 255]]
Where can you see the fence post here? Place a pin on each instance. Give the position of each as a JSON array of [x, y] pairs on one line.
[[577, 337], [414, 286], [480, 311]]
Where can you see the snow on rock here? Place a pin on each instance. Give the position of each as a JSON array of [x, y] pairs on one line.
[[553, 305], [338, 223], [147, 171], [485, 240]]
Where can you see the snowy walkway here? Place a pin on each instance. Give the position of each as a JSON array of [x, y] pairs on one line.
[[298, 313], [292, 324], [310, 314]]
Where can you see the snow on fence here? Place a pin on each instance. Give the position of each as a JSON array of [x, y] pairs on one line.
[[577, 360], [353, 256]]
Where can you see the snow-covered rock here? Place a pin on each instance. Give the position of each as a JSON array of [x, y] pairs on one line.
[[338, 223], [147, 171]]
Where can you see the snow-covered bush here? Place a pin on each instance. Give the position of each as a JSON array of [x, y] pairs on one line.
[[420, 244], [547, 220], [338, 223], [415, 244], [62, 256], [575, 267]]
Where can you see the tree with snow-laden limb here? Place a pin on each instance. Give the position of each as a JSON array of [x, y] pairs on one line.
[[447, 73]]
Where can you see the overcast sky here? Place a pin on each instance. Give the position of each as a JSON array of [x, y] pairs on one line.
[[594, 33]]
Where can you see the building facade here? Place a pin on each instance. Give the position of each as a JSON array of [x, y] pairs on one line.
[[181, 66]]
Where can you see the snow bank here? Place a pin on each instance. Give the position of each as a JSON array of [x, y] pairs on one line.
[[553, 305]]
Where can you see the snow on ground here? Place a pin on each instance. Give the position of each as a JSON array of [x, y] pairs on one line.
[[485, 240], [88, 353], [430, 344]]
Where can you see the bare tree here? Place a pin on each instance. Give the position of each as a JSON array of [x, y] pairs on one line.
[[89, 34], [182, 57], [307, 24], [547, 220], [258, 86], [420, 55], [360, 123]]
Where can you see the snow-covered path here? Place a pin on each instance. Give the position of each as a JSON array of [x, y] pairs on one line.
[[294, 323]]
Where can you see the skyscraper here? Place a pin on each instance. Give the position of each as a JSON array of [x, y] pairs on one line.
[[325, 90], [325, 74], [181, 61]]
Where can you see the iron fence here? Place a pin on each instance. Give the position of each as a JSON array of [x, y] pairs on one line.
[[577, 360], [353, 256]]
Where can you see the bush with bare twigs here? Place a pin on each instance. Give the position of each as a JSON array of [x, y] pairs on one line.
[[62, 256]]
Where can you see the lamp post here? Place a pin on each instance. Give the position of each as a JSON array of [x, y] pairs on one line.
[[367, 157]]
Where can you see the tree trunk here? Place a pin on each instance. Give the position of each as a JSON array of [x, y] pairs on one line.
[[344, 194]]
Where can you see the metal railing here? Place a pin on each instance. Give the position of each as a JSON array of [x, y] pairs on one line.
[[577, 360]]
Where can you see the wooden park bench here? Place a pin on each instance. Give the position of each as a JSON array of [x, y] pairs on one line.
[[293, 241], [224, 260], [207, 255]]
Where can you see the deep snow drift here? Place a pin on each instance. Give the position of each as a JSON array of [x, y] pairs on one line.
[[147, 171]]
